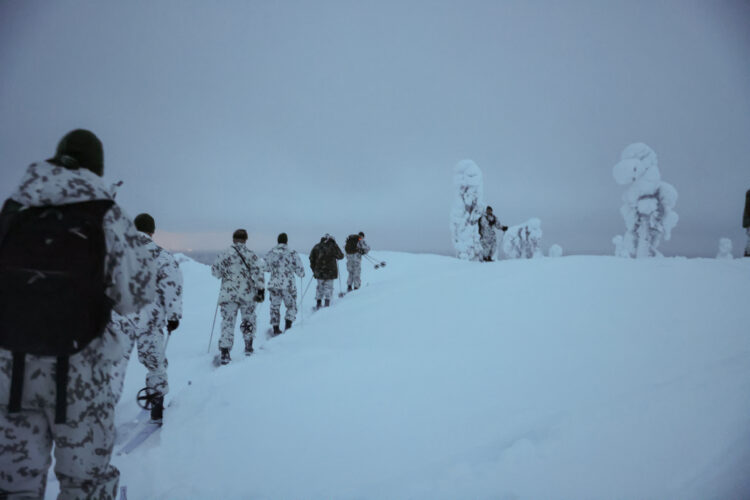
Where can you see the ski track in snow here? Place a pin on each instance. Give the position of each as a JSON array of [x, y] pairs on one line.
[[571, 378]]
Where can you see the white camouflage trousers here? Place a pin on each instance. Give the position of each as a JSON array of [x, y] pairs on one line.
[[229, 312], [324, 290], [82, 445], [151, 354], [289, 297], [489, 243], [354, 268]]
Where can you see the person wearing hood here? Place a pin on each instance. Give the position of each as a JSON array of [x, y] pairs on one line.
[[323, 262], [242, 287], [63, 397], [283, 263]]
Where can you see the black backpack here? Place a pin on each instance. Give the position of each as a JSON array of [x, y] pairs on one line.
[[350, 246], [52, 287]]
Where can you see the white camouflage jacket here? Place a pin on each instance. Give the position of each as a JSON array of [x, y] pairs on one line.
[[283, 263], [168, 304], [130, 272], [238, 283]]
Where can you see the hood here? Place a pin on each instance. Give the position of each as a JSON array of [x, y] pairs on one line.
[[47, 184]]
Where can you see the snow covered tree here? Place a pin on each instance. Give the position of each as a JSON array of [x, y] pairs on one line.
[[620, 250], [522, 241], [725, 249], [467, 208], [555, 251], [648, 202]]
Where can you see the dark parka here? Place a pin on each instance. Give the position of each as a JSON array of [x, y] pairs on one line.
[[323, 259], [746, 217]]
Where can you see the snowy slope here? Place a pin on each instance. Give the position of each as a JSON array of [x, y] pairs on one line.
[[570, 378]]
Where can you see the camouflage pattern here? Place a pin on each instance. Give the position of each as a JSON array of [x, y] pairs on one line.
[[354, 264], [488, 237], [283, 263], [228, 319], [324, 290], [83, 445], [239, 286], [151, 321]]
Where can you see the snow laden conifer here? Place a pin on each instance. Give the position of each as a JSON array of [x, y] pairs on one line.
[[555, 251], [523, 240], [468, 205], [647, 202], [725, 249]]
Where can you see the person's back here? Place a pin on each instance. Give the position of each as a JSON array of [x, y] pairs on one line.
[[283, 263], [323, 259], [242, 286], [81, 427]]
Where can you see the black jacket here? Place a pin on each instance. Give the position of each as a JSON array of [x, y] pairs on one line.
[[323, 259], [746, 217]]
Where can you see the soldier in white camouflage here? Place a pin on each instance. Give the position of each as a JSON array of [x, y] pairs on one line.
[[283, 263], [83, 443], [354, 260], [164, 313], [487, 224], [242, 287], [323, 262]]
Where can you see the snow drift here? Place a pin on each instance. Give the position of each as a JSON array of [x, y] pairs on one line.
[[445, 379]]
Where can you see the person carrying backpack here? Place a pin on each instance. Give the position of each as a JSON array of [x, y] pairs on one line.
[[325, 269], [164, 313], [242, 287], [487, 237], [355, 248], [283, 263], [69, 258]]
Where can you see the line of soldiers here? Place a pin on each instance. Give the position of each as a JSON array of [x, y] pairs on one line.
[[242, 274]]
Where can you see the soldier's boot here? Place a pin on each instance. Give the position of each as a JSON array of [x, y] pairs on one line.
[[249, 347], [328, 302], [349, 288], [225, 358], [157, 409], [288, 324], [276, 329], [317, 305]]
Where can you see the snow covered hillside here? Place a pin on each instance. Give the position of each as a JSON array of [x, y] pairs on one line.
[[570, 378]]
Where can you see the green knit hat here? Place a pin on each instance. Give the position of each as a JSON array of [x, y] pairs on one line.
[[80, 149], [145, 223]]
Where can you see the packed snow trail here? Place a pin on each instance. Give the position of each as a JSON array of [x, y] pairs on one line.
[[578, 377]]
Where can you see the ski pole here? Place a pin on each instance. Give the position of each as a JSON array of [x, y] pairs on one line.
[[213, 324], [301, 305]]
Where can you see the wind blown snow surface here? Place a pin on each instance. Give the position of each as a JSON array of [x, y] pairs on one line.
[[448, 379]]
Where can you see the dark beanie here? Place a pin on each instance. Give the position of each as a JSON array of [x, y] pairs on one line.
[[283, 238], [145, 223], [80, 149], [240, 234], [361, 234]]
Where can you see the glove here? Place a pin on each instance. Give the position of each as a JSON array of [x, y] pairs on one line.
[[261, 295], [504, 228], [172, 325]]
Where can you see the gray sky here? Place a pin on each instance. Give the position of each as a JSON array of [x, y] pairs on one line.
[[338, 116]]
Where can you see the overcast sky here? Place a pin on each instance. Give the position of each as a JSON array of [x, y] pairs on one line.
[[339, 116]]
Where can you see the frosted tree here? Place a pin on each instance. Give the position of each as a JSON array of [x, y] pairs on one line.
[[467, 208], [647, 202], [522, 241], [725, 249], [555, 251], [620, 250]]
